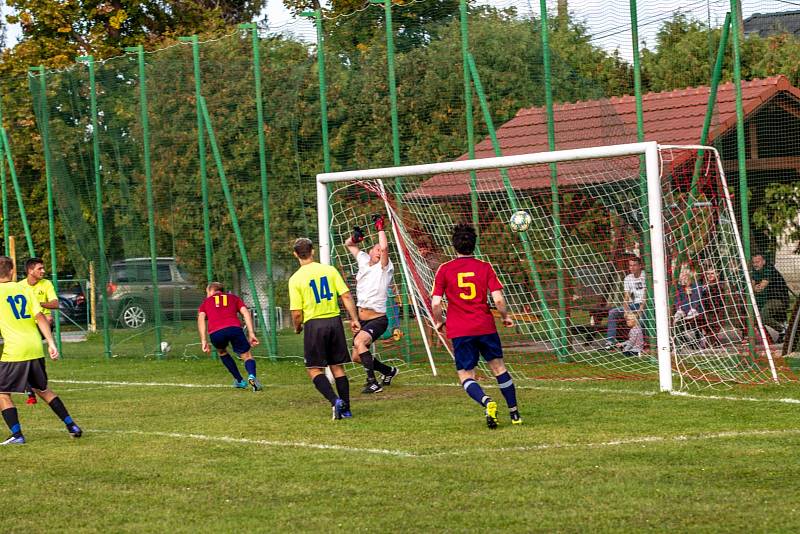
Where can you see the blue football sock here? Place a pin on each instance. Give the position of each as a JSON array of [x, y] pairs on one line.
[[250, 366], [60, 410], [476, 392], [507, 389], [12, 420], [230, 365]]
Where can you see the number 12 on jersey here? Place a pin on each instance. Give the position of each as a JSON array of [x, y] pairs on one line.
[[323, 291], [19, 313]]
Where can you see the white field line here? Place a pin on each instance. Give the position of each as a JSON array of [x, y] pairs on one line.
[[489, 386], [624, 392], [262, 442], [407, 454], [142, 384], [72, 390], [629, 441]]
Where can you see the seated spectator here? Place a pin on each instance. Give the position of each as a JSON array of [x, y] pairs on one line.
[[772, 297], [689, 319], [633, 299], [724, 319], [635, 342], [688, 296]]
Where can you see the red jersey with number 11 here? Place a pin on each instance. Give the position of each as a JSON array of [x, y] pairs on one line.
[[222, 310], [466, 283]]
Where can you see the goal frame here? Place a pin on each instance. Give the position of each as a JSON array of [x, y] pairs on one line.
[[650, 151]]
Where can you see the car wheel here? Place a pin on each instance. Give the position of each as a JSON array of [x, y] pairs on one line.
[[133, 315]]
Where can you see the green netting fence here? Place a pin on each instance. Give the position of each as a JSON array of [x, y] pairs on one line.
[[399, 94]]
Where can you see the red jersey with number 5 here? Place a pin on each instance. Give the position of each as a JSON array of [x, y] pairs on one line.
[[222, 310], [466, 283]]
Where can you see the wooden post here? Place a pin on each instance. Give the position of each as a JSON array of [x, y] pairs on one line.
[[12, 253], [92, 299]]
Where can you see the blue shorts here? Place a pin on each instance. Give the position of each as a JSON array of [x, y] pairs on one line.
[[468, 349], [233, 335]]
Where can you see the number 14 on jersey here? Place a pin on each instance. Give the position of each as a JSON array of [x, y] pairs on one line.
[[323, 291]]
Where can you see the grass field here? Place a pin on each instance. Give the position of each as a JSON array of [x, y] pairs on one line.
[[169, 446]]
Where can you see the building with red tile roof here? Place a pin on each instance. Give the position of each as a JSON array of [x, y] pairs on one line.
[[772, 122]]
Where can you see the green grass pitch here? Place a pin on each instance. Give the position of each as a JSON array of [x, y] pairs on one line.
[[602, 456]]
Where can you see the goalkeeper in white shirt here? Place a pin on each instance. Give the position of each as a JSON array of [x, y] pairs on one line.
[[375, 273]]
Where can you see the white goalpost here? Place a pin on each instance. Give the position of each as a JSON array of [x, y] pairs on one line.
[[675, 209]]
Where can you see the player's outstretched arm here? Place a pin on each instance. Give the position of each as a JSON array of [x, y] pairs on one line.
[[44, 328], [350, 306], [500, 304], [201, 329], [383, 243], [352, 242], [248, 322]]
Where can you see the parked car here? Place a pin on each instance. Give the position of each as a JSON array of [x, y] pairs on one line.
[[72, 302], [130, 297]]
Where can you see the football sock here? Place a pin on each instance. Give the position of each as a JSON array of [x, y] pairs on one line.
[[343, 387], [60, 410], [381, 367], [230, 365], [476, 392], [323, 385], [369, 364], [507, 389], [12, 420], [250, 366]]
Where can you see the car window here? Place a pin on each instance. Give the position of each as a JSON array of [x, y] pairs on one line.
[[120, 273], [184, 275], [163, 273]]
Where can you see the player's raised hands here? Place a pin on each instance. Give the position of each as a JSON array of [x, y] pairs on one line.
[[379, 221], [358, 235]]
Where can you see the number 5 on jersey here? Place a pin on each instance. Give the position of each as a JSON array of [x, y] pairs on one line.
[[323, 291], [469, 286]]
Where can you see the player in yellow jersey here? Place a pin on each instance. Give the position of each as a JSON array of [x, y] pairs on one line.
[[45, 294], [22, 362], [314, 292]]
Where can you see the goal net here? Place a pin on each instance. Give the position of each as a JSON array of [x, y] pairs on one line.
[[631, 267]]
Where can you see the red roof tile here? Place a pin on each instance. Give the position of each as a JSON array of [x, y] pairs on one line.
[[672, 117]]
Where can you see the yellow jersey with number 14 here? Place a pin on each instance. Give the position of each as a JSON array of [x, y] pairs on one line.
[[18, 310], [315, 288]]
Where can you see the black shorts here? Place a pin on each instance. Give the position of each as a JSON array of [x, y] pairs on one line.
[[324, 343], [233, 335], [15, 376], [375, 327]]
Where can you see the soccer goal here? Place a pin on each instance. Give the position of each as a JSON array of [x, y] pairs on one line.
[[626, 262]]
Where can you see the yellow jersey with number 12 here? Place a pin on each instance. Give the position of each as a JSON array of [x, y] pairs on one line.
[[18, 310], [315, 288]]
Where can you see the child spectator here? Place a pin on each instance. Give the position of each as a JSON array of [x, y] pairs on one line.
[[635, 343]]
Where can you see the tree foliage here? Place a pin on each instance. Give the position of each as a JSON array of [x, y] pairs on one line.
[[432, 112]]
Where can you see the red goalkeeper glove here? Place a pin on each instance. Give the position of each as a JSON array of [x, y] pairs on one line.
[[379, 221], [358, 235]]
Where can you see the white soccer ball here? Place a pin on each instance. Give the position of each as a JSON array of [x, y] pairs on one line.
[[165, 347], [520, 221]]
